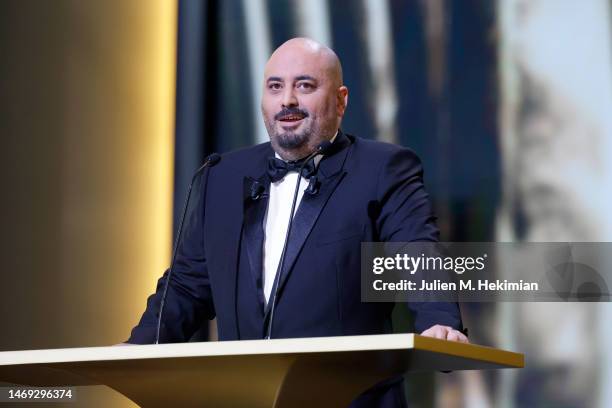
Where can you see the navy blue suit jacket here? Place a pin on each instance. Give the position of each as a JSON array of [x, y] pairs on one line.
[[369, 191]]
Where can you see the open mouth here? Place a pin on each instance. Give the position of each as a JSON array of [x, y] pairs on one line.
[[291, 118]]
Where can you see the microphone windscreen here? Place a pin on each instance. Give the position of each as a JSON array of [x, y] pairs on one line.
[[324, 147], [213, 159]]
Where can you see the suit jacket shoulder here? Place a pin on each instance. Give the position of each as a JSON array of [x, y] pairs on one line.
[[245, 160]]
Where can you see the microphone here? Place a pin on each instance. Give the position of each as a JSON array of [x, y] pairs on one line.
[[323, 148], [210, 161], [313, 186], [257, 190]]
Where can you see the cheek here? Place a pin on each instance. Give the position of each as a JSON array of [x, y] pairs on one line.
[[319, 108], [267, 113], [269, 105]]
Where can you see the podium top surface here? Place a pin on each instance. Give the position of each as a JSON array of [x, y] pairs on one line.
[[277, 373], [258, 347]]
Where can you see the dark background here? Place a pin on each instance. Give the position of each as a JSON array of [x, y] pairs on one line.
[[107, 107]]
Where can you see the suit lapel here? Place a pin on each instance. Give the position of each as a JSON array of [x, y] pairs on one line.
[[330, 174], [254, 213]]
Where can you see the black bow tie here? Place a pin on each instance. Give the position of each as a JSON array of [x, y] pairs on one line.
[[277, 168]]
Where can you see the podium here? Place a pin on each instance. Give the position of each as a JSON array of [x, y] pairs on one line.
[[306, 372]]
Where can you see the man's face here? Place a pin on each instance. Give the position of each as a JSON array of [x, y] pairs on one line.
[[302, 101]]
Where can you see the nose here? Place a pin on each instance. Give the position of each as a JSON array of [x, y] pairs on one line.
[[289, 100]]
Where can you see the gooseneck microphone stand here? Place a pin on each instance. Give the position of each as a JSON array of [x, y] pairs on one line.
[[210, 161], [322, 148]]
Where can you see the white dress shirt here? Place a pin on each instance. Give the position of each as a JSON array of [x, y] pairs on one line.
[[276, 222]]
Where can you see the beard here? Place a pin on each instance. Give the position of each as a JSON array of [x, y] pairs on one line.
[[293, 140], [295, 144]]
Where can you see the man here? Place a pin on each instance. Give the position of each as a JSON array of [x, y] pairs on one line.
[[360, 190]]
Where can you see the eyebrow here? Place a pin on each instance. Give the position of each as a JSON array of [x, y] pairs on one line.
[[305, 78], [298, 78]]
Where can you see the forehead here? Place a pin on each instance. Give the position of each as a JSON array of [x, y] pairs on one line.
[[293, 63]]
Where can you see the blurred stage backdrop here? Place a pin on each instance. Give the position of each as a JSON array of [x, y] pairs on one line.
[[107, 107]]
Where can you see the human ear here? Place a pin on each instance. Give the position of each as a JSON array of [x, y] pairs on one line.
[[342, 97]]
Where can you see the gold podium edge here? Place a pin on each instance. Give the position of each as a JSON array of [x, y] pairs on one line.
[[471, 351]]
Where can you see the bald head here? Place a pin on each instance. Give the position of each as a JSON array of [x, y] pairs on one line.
[[303, 97], [300, 49]]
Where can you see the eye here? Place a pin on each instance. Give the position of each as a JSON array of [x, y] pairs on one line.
[[274, 86], [307, 86]]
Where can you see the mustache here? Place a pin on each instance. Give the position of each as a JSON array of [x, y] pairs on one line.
[[290, 111]]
